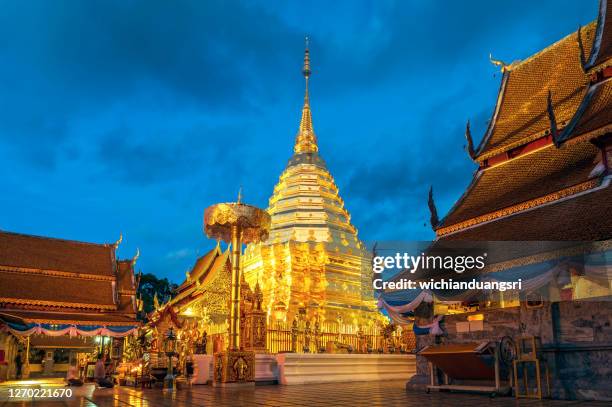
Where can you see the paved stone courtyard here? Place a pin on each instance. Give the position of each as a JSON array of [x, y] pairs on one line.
[[390, 393]]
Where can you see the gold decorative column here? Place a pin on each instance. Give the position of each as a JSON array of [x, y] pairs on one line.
[[234, 338], [235, 223]]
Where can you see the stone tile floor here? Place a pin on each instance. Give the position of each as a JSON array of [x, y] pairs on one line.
[[390, 393]]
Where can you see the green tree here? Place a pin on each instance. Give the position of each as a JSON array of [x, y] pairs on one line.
[[150, 286]]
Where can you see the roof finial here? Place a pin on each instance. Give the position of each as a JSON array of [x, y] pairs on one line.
[[136, 256], [432, 209], [306, 141], [240, 194], [497, 62], [118, 242], [470, 142]]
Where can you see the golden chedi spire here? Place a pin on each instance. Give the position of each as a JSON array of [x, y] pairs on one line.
[[313, 261], [306, 141]]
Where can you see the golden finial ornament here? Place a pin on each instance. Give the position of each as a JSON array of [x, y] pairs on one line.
[[136, 256], [118, 242], [497, 62], [306, 141]]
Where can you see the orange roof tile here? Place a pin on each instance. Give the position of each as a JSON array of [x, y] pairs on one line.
[[524, 178], [125, 277], [31, 288], [521, 114], [43, 253], [594, 117], [580, 218], [201, 265]]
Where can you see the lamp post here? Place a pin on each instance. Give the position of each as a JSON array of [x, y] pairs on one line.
[[170, 350], [235, 223]]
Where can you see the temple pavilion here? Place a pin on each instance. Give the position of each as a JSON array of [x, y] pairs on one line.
[[313, 263], [544, 161], [62, 300], [543, 175]]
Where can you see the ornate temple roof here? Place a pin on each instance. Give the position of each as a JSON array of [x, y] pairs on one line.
[[540, 156], [521, 112], [602, 47], [527, 177], [200, 268], [45, 290], [594, 116], [580, 218], [202, 276], [43, 253], [63, 279]]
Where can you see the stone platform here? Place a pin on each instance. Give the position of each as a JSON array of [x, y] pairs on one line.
[[295, 368], [266, 371]]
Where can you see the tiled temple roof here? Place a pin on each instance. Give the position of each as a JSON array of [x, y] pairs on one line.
[[43, 253], [581, 218], [529, 174], [526, 177], [64, 279], [521, 113], [204, 270], [45, 290], [594, 116]]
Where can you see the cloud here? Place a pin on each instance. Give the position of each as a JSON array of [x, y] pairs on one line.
[[70, 60], [135, 116]]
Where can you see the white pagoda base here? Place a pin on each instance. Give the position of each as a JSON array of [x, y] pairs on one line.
[[295, 368]]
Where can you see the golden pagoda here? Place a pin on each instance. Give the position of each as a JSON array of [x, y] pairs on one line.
[[313, 264]]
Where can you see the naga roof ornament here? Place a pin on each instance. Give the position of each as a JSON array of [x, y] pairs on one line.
[[470, 142], [434, 220]]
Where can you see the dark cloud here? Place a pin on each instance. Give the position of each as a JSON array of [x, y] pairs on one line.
[[134, 116]]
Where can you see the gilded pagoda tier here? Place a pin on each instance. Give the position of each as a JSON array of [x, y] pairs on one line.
[[313, 263], [312, 279]]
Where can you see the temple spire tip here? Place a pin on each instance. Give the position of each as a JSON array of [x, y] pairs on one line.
[[306, 69], [306, 141]]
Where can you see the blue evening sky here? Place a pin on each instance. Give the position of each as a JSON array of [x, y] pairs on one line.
[[134, 116]]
